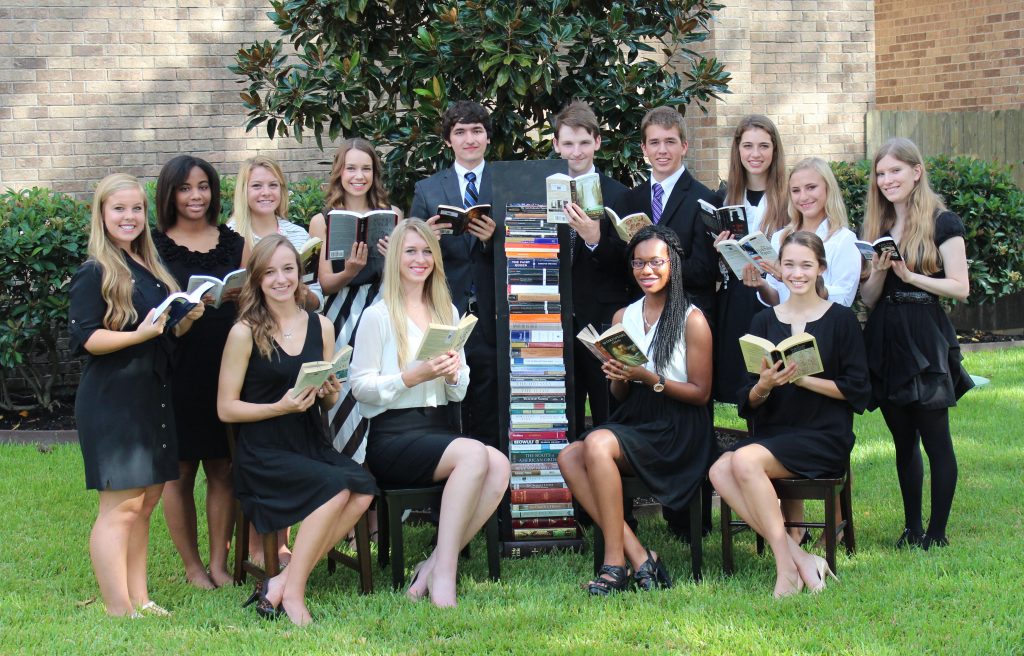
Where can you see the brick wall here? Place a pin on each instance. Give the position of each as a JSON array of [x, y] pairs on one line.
[[88, 89], [807, 65], [949, 55]]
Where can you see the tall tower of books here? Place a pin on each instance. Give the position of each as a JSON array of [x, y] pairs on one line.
[[541, 507]]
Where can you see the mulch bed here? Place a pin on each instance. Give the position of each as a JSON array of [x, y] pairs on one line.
[[62, 417]]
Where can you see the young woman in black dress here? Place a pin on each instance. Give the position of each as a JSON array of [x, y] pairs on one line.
[[915, 360], [661, 431], [191, 242], [410, 440], [285, 469], [800, 426], [123, 405]]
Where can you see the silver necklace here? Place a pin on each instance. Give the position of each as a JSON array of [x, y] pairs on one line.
[[287, 334], [643, 313]]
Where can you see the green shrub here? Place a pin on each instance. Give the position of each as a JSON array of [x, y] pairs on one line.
[[306, 199], [43, 237], [988, 201]]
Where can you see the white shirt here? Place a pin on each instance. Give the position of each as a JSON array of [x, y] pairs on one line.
[[463, 183], [298, 237], [375, 377], [842, 277], [668, 184], [633, 322]]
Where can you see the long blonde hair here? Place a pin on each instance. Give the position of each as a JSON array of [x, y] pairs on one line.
[[252, 304], [435, 289], [917, 243], [835, 208], [776, 198], [118, 284], [242, 215]]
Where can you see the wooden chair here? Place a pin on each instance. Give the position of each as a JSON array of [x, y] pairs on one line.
[[392, 504], [821, 489], [243, 566], [633, 487]]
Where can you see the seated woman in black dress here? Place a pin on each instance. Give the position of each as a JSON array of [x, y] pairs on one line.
[[411, 441], [915, 361], [661, 430], [123, 404], [285, 469], [800, 426]]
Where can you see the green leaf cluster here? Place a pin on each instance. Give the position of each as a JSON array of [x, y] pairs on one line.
[[386, 70], [986, 198], [43, 236]]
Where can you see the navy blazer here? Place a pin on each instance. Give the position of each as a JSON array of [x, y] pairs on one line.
[[681, 213], [466, 259]]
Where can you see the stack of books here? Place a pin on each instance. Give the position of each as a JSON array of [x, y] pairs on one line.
[[541, 504]]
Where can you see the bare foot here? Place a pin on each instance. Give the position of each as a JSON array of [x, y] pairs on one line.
[[220, 578], [442, 590], [200, 579], [297, 612], [275, 590]]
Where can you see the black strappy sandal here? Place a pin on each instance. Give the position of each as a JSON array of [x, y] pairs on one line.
[[617, 581], [652, 574]]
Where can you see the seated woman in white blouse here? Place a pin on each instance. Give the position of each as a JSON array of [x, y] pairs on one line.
[[411, 441]]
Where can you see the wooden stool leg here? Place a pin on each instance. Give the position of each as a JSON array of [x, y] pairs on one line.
[[383, 533], [363, 554], [397, 548], [830, 527], [696, 536], [846, 504], [493, 553], [241, 543], [726, 521], [271, 566]]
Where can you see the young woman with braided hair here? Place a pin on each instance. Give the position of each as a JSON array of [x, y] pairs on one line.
[[661, 431]]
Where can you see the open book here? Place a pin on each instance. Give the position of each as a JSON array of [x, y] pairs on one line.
[[801, 349], [584, 190], [880, 245], [441, 338], [752, 249], [459, 217], [309, 258], [230, 282], [316, 373], [345, 228], [731, 217], [613, 344], [628, 225], [178, 304]]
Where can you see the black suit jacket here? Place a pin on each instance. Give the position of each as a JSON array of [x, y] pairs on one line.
[[466, 259], [601, 280], [681, 213]]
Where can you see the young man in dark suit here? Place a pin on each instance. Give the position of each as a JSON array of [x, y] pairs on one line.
[[670, 197], [468, 258], [600, 281]]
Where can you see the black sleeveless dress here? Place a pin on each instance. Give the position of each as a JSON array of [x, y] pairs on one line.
[[285, 467]]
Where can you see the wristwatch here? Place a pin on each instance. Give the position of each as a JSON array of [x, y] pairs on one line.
[[660, 385]]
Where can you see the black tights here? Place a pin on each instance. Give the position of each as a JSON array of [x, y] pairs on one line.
[[907, 426]]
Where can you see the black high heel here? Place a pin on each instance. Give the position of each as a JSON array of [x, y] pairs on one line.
[[264, 608], [806, 539], [909, 539], [928, 541], [652, 574], [617, 581]]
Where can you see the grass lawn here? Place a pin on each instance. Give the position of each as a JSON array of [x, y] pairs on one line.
[[958, 600]]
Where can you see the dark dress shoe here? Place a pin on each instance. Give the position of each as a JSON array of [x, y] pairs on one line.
[[909, 539]]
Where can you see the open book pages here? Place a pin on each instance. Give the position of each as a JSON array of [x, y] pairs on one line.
[[613, 344], [753, 249], [629, 225], [221, 286], [316, 373], [179, 304], [459, 218], [440, 338], [801, 349], [584, 191]]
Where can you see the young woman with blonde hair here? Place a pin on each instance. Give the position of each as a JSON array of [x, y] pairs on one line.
[[915, 360], [411, 440], [123, 407]]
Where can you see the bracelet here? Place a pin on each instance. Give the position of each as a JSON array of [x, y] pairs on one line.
[[760, 397]]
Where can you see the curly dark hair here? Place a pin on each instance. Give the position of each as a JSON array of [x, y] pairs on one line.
[[671, 326], [465, 112]]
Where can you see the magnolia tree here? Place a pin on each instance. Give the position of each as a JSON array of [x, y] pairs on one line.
[[386, 70]]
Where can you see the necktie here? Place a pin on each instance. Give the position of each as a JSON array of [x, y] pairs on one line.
[[471, 193], [656, 206]]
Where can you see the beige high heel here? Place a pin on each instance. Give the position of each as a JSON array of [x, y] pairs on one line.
[[821, 565]]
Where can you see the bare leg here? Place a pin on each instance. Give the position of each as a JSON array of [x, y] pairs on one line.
[[793, 511], [180, 513], [219, 506], [108, 546], [138, 548], [320, 530]]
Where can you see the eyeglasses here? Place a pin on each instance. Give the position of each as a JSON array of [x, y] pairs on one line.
[[655, 264]]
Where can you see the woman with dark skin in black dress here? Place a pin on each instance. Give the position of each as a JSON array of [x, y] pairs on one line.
[[190, 242]]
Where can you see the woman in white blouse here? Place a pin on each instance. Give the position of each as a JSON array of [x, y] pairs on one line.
[[411, 441], [816, 205]]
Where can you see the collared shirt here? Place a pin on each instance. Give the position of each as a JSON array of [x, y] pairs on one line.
[[842, 277], [668, 184], [462, 171]]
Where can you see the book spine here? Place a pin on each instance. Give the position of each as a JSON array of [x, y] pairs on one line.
[[541, 495], [544, 522], [545, 533], [529, 514]]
